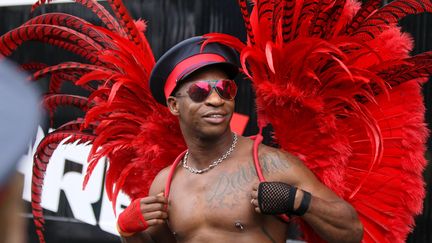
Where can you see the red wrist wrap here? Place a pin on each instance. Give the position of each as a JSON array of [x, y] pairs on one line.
[[131, 219]]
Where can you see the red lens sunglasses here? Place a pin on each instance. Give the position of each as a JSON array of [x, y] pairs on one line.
[[200, 90]]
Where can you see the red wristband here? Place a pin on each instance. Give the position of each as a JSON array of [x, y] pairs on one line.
[[131, 219]]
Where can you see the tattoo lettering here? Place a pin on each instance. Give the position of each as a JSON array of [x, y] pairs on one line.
[[273, 163], [232, 187]]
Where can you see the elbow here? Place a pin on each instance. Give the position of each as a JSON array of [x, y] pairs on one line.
[[351, 233], [355, 233]]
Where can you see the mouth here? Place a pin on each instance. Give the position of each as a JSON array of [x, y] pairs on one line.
[[215, 118]]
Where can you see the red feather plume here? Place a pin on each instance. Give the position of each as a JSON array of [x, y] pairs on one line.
[[339, 75], [119, 112]]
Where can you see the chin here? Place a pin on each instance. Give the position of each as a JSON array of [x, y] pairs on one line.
[[214, 132]]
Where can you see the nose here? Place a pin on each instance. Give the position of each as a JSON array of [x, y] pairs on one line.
[[214, 99]]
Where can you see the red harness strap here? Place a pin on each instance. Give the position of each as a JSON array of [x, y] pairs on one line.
[[257, 140], [171, 173]]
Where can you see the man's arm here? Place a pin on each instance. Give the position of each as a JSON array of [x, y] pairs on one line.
[[154, 210], [332, 218], [154, 234], [140, 237]]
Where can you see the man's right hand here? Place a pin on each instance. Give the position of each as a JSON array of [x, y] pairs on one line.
[[142, 213]]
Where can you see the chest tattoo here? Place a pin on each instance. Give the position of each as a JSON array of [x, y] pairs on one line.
[[231, 188]]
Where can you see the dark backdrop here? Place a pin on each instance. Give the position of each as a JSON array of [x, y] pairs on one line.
[[170, 21]]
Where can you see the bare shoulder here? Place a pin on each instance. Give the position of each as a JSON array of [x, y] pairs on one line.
[[290, 168], [267, 153], [294, 172], [158, 184], [277, 153]]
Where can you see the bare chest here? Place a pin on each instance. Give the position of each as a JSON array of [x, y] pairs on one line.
[[215, 200], [219, 199]]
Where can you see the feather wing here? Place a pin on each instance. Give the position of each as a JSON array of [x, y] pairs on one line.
[[119, 111], [352, 103]]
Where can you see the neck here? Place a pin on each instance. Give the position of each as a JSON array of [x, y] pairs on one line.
[[203, 150]]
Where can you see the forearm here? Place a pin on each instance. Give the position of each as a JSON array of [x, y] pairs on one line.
[[334, 221], [141, 237]]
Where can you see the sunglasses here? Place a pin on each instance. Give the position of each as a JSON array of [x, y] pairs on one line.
[[200, 90]]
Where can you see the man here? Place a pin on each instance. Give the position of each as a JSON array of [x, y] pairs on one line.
[[215, 195]]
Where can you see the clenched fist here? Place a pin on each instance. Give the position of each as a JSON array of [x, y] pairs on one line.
[[142, 213]]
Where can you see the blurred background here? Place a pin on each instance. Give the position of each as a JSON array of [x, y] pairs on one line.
[[76, 216]]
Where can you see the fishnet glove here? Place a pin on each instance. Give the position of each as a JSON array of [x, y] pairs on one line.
[[276, 197], [279, 197], [131, 219]]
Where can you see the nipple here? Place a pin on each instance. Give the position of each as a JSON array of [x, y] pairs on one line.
[[239, 225]]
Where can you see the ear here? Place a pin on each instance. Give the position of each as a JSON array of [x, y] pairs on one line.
[[173, 105]]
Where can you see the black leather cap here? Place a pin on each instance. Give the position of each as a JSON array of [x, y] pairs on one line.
[[185, 58]]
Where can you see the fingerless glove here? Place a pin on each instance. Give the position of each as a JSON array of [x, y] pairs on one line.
[[278, 198], [131, 219]]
